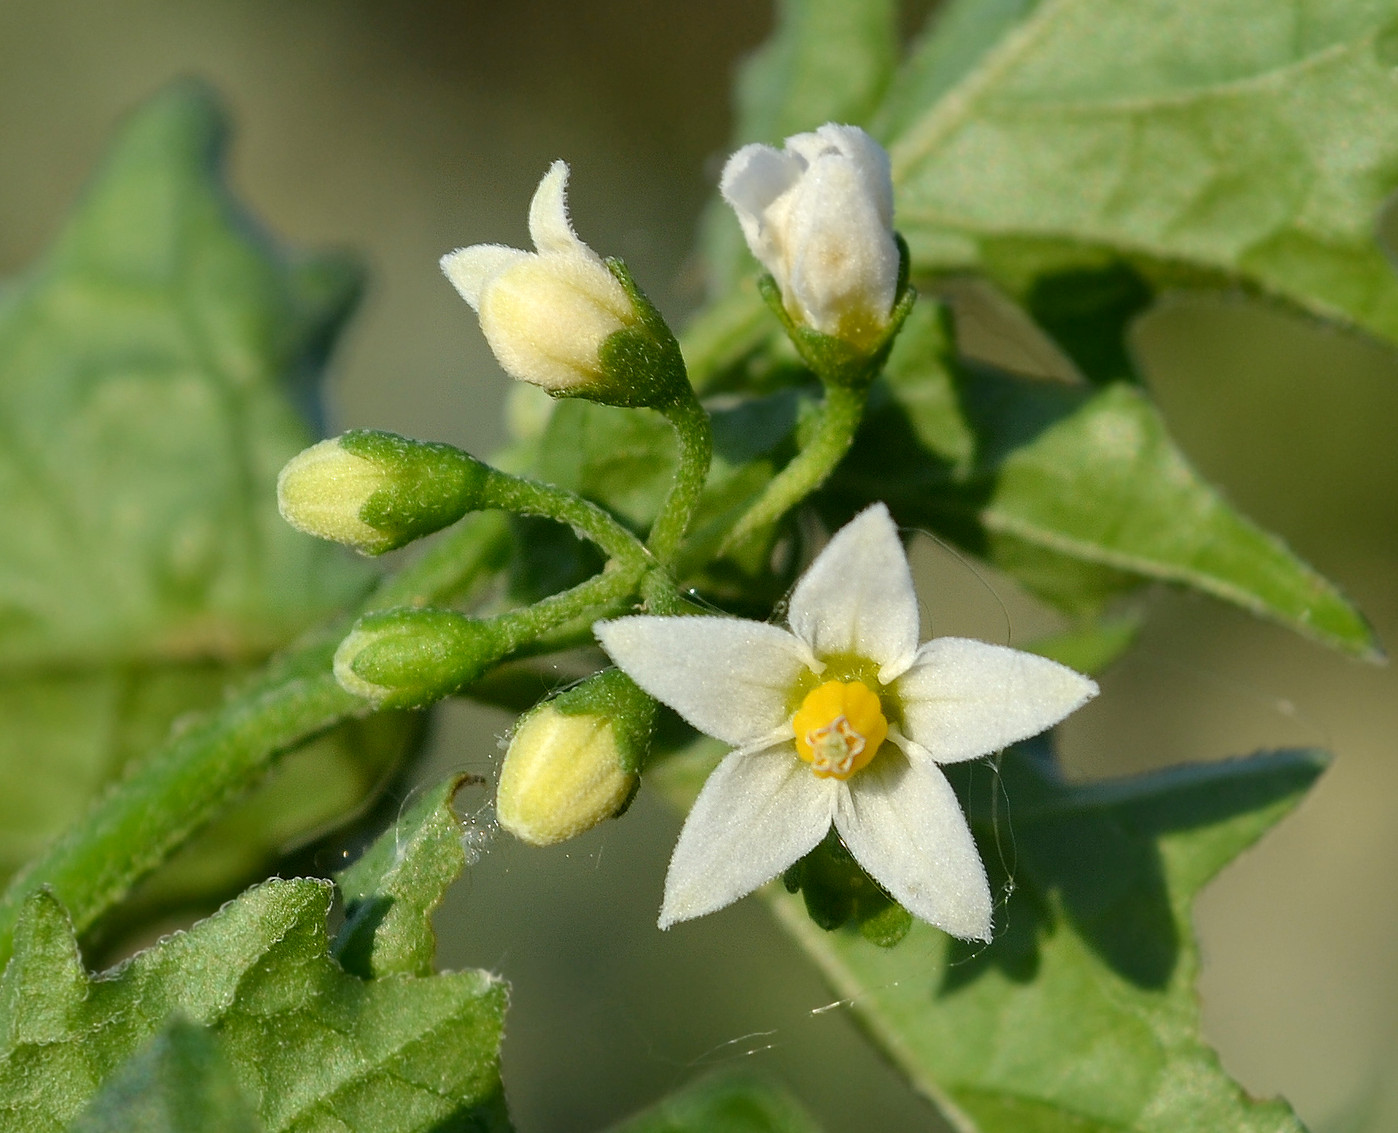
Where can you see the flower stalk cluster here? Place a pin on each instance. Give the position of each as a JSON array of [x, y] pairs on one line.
[[839, 723]]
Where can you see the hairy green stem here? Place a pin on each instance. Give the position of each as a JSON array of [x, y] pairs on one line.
[[839, 417], [695, 436], [532, 497]]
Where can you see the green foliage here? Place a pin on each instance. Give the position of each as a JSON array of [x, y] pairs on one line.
[[1073, 489], [1082, 1014], [308, 1043], [180, 1083], [729, 1103], [1243, 143], [392, 890], [150, 369], [378, 1044]]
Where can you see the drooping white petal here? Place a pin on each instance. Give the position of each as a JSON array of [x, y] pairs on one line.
[[902, 822], [549, 226], [757, 814], [732, 679], [753, 178], [963, 699], [471, 269], [857, 597]]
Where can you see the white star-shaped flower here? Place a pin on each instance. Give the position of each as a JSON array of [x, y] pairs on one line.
[[842, 719]]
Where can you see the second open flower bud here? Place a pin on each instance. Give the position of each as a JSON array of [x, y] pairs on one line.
[[818, 215], [562, 318], [575, 760], [377, 491]]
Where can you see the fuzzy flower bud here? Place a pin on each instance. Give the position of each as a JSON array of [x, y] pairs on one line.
[[562, 318], [575, 761], [818, 215], [409, 657], [377, 491]]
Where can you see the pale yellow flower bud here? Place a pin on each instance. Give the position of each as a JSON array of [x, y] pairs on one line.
[[321, 492], [562, 775], [544, 313]]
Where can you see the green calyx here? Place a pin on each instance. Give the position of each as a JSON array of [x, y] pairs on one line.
[[409, 658], [631, 712], [427, 486], [840, 362], [641, 365]]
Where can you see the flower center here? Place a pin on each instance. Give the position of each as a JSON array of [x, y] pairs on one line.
[[839, 728]]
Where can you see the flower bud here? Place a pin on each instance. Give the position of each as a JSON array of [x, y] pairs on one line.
[[408, 658], [377, 491], [818, 215], [562, 318], [575, 761]]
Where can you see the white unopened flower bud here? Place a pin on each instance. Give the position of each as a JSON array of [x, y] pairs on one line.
[[562, 318], [818, 215]]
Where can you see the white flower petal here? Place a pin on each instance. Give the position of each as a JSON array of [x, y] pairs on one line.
[[870, 158], [753, 178], [471, 269], [857, 597], [963, 699], [839, 268], [758, 813], [730, 678], [549, 227], [903, 824]]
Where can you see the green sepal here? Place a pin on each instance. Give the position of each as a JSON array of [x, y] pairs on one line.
[[837, 361], [641, 364], [410, 658], [837, 892], [429, 485]]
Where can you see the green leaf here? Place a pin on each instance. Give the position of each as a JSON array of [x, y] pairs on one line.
[[826, 61], [310, 1046], [151, 365], [954, 39], [390, 892], [1076, 490], [1230, 143], [724, 1103], [1082, 1014], [179, 1083]]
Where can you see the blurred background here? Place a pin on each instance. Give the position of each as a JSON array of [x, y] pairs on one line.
[[403, 131]]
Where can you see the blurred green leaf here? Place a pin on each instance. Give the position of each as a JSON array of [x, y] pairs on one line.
[[179, 1083], [1082, 1014], [1224, 143], [151, 366], [955, 37], [310, 1046], [727, 1103], [1076, 490], [395, 885]]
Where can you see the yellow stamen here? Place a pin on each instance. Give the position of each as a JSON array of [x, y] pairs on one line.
[[839, 728]]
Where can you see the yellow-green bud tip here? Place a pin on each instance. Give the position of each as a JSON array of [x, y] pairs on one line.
[[321, 492], [562, 775]]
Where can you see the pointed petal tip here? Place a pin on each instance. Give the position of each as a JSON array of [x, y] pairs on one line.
[[549, 226]]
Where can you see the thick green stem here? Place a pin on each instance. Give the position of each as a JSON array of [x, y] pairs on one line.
[[835, 427], [695, 436], [169, 796]]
